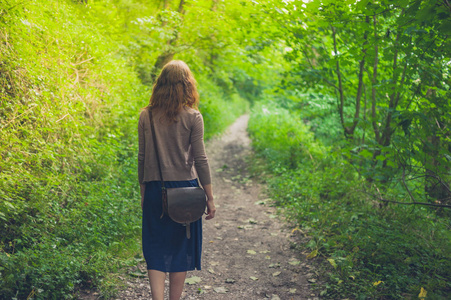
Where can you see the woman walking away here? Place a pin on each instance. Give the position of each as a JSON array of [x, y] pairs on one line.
[[179, 133]]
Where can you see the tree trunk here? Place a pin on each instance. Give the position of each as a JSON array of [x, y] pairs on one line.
[[168, 55]]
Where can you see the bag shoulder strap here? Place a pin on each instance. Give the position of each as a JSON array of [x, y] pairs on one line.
[[154, 137]]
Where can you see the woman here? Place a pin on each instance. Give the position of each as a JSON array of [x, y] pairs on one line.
[[179, 131]]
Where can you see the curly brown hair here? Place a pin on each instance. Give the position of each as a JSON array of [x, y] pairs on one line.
[[174, 89]]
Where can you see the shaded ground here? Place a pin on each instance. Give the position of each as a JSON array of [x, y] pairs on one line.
[[246, 250]]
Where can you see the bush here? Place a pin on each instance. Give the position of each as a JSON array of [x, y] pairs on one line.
[[369, 249]]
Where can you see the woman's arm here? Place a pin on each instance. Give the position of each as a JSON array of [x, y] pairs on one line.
[[201, 164], [141, 155]]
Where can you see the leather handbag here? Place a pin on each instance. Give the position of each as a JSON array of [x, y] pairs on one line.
[[183, 205]]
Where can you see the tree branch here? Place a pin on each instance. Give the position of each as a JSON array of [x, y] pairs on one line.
[[360, 84], [340, 83], [374, 81], [409, 203]]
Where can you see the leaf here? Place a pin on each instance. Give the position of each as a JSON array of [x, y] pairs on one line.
[[230, 280], [211, 271], [193, 280], [276, 273], [423, 293], [295, 229], [313, 254], [365, 153], [138, 275], [277, 265], [294, 262], [292, 291], [312, 280], [332, 262], [251, 252], [253, 278], [377, 283], [220, 290], [252, 221]]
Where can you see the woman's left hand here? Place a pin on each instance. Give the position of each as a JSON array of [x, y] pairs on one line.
[[211, 210]]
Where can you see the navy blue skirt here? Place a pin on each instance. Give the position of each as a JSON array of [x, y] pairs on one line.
[[164, 241]]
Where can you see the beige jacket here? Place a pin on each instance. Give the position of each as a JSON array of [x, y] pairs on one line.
[[180, 147]]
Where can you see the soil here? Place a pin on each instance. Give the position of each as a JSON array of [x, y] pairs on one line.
[[247, 251]]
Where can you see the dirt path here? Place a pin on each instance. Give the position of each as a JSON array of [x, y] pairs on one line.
[[246, 252]]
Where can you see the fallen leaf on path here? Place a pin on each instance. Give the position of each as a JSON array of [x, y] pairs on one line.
[[240, 227], [276, 265], [264, 251], [211, 271], [230, 280], [253, 278], [251, 252], [261, 202], [312, 280], [274, 234], [220, 290], [276, 273], [294, 262], [267, 257], [193, 280], [252, 221], [292, 291], [272, 216], [214, 263], [275, 297], [295, 229], [138, 274]]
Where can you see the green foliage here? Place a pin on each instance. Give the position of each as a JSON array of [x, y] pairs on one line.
[[218, 109], [73, 77], [68, 152], [373, 250], [387, 65]]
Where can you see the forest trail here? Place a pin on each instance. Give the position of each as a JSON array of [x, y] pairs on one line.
[[246, 250]]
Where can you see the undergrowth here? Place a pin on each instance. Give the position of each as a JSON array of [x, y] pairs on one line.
[[368, 249], [69, 102]]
